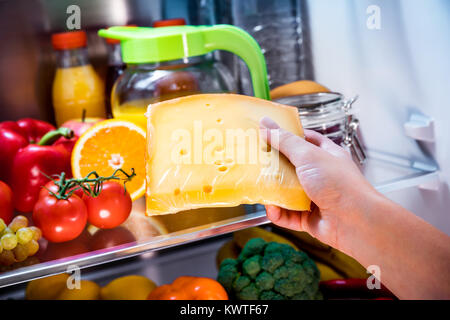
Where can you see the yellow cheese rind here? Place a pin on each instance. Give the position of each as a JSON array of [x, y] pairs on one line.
[[206, 151]]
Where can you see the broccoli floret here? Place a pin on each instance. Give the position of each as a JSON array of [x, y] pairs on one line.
[[273, 247], [303, 296], [270, 271], [287, 252], [250, 292], [252, 247], [299, 257], [229, 262], [241, 282], [271, 295], [311, 268], [264, 281], [227, 273], [281, 273], [311, 290], [287, 287], [252, 266], [271, 261]]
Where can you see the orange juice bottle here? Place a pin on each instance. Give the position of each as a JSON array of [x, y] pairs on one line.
[[76, 86]]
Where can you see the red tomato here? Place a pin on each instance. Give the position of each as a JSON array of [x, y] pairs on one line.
[[6, 204], [110, 208], [54, 188], [60, 220]]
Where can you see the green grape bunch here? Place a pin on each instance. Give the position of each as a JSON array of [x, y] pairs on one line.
[[18, 241]]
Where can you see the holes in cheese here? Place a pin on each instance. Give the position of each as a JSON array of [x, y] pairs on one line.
[[207, 189], [223, 168], [195, 161]]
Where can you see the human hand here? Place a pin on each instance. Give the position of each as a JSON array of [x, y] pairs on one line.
[[331, 180], [351, 216]]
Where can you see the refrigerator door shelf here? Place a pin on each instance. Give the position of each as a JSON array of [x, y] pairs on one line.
[[389, 173], [386, 172], [420, 127]]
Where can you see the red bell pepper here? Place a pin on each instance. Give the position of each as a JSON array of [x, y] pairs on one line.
[[17, 135], [33, 163], [6, 204], [190, 288]]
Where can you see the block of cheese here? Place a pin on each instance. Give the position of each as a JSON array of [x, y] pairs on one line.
[[206, 150]]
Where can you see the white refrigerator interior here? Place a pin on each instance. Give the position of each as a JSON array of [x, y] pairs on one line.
[[395, 56]]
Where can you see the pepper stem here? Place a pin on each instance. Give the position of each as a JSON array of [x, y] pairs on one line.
[[54, 135]]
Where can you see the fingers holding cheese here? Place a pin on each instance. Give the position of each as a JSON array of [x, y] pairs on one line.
[[296, 149], [326, 172], [325, 143], [299, 151]]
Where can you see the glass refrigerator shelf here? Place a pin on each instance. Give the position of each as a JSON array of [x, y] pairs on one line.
[[386, 172]]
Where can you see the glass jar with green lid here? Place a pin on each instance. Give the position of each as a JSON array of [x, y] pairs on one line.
[[169, 62]]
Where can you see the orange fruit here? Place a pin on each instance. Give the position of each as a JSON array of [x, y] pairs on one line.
[[132, 287], [297, 88], [110, 145]]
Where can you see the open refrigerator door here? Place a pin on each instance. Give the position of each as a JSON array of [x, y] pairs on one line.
[[371, 77]]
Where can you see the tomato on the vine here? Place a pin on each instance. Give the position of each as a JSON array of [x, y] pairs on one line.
[[65, 205], [51, 186], [110, 208], [60, 219], [6, 203]]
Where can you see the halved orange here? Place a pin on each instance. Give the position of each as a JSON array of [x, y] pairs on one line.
[[110, 145]]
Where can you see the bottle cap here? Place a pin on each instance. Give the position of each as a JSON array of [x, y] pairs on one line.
[[116, 41], [169, 23], [69, 40]]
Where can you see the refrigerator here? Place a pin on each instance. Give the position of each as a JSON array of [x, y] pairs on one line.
[[392, 55]]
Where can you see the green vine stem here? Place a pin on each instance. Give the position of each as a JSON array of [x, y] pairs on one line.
[[91, 184]]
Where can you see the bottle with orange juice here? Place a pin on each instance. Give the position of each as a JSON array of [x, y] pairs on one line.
[[76, 88], [115, 69]]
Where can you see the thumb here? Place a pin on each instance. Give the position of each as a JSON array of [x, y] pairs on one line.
[[295, 148]]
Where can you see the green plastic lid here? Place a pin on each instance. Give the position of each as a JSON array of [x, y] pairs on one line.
[[149, 45]]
